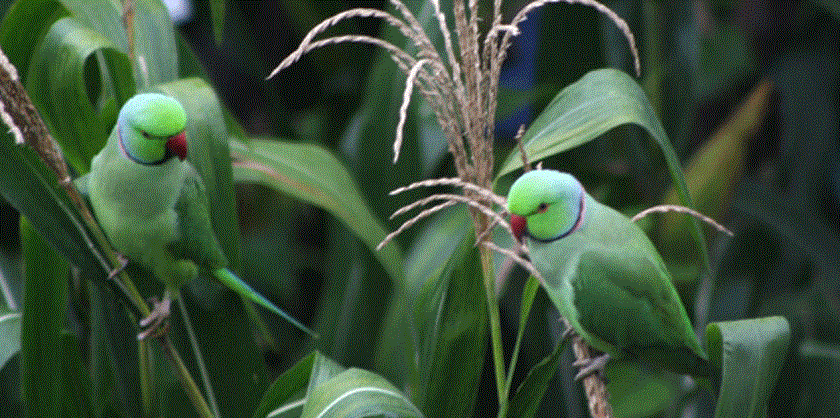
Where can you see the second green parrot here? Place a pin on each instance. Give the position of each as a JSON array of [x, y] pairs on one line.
[[152, 205], [603, 274]]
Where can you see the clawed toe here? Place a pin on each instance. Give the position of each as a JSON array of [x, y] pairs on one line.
[[591, 366], [156, 323]]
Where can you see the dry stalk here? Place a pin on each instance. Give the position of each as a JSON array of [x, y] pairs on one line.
[[622, 25], [409, 88], [409, 223], [25, 124], [594, 385], [307, 42], [453, 181], [497, 217], [480, 205], [682, 209], [514, 255]]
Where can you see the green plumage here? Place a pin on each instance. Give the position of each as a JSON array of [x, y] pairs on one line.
[[152, 204], [603, 273]]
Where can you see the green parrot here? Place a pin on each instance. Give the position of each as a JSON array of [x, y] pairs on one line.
[[603, 274], [152, 205]]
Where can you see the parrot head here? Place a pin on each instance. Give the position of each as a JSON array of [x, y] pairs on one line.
[[546, 205], [151, 129]]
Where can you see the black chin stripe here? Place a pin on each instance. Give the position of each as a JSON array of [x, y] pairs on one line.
[[575, 227]]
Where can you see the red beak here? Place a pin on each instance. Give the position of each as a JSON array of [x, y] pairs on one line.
[[517, 225], [177, 144]]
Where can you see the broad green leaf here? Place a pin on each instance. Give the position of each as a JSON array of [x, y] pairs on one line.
[[209, 153], [292, 383], [155, 49], [357, 393], [33, 190], [24, 25], [78, 80], [9, 336], [598, 102], [750, 354], [189, 64], [45, 299], [289, 391], [154, 44], [635, 392], [528, 395], [526, 400], [444, 297], [312, 174], [323, 369], [111, 343], [76, 379]]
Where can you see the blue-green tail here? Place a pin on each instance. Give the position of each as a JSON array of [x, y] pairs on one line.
[[231, 280]]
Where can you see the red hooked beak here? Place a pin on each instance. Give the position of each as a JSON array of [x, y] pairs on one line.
[[517, 225], [177, 144]]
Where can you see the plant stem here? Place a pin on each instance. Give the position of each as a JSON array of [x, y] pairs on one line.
[[199, 359], [187, 382], [495, 324], [528, 294], [145, 377]]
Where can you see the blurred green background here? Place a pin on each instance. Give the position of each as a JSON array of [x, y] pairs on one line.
[[747, 92]]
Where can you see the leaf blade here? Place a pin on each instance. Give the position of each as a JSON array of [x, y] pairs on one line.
[[751, 353], [43, 318], [9, 336], [311, 173], [357, 392], [600, 101], [60, 74]]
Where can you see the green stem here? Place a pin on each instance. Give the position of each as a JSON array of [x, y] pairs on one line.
[[187, 382], [263, 332], [199, 359], [528, 294], [145, 377], [495, 324]]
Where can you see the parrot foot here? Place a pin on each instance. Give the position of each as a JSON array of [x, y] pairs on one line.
[[156, 324], [122, 266], [591, 366]]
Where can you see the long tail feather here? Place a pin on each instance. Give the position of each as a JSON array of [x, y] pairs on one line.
[[243, 289]]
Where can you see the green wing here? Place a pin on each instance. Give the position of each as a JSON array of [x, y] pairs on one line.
[[197, 241], [624, 296], [618, 302]]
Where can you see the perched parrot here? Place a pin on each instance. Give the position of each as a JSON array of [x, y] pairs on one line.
[[603, 274], [152, 205]]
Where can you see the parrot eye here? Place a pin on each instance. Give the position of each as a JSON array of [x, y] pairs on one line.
[[145, 134], [542, 207]]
